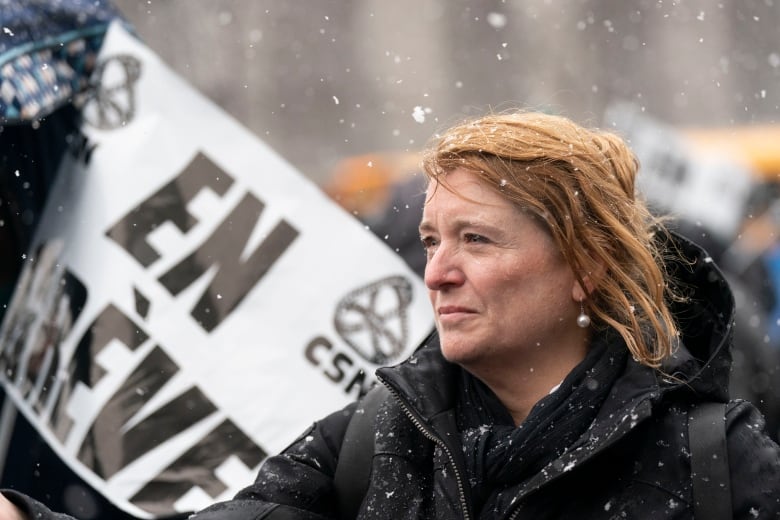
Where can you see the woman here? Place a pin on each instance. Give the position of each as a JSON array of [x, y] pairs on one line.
[[573, 337]]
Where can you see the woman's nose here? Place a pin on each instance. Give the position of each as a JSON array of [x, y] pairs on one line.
[[443, 269]]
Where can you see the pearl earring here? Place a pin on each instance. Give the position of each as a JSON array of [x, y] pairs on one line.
[[583, 320]]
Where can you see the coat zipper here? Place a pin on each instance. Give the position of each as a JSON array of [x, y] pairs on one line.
[[434, 438]]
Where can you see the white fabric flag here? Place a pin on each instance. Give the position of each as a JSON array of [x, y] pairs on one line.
[[191, 302]]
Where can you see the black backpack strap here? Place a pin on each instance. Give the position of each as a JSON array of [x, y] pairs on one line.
[[357, 450], [709, 462]]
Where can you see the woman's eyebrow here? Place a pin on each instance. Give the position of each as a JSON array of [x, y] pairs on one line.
[[457, 223]]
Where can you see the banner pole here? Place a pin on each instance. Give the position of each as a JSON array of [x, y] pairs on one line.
[[7, 421]]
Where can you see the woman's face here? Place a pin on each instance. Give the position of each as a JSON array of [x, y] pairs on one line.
[[498, 284]]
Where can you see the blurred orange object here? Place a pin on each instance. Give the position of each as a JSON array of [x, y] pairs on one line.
[[756, 146], [363, 184]]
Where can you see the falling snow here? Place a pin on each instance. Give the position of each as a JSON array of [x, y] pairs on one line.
[[496, 20], [419, 113]]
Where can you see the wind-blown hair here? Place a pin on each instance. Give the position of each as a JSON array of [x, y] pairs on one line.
[[580, 184]]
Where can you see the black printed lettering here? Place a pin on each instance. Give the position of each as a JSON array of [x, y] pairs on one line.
[[169, 203], [110, 324], [358, 381], [199, 463], [234, 277], [110, 445], [339, 362], [316, 344], [337, 366]]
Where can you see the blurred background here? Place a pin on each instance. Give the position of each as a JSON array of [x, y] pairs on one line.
[[320, 81]]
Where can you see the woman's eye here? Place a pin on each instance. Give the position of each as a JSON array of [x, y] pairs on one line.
[[428, 242], [474, 238]]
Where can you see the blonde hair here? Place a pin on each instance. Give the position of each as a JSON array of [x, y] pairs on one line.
[[580, 184]]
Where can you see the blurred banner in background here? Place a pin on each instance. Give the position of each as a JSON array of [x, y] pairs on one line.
[[190, 302], [710, 189]]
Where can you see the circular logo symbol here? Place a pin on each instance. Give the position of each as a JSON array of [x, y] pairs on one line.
[[110, 102], [373, 319]]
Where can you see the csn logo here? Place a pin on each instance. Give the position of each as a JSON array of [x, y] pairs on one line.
[[373, 322]]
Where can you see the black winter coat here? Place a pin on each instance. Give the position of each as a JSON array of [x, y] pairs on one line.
[[633, 462]]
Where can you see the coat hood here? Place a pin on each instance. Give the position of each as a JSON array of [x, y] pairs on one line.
[[706, 320]]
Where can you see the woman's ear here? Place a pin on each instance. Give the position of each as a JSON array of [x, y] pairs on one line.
[[579, 294], [590, 280]]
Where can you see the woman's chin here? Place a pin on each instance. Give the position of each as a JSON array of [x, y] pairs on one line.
[[460, 353]]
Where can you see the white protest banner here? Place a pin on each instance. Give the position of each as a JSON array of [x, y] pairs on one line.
[[706, 189], [191, 302]]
